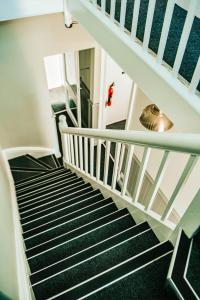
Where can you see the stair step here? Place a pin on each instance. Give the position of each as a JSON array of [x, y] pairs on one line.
[[55, 218], [42, 186], [90, 251], [98, 210], [115, 254], [74, 186], [51, 201], [50, 160], [28, 182], [26, 161], [87, 236], [148, 283], [109, 213], [48, 189], [109, 275], [193, 271], [20, 175], [62, 204], [38, 161], [176, 275]]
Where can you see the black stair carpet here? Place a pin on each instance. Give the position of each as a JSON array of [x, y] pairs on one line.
[[77, 241], [185, 268], [193, 272], [192, 51], [50, 160]]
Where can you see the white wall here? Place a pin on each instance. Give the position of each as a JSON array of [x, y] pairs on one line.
[[54, 70], [121, 96], [177, 161], [71, 67], [13, 9], [25, 114]]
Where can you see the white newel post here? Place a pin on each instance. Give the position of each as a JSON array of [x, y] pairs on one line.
[[64, 139]]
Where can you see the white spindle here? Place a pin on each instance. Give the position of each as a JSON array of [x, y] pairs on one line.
[[76, 150], [112, 10], [65, 147], [106, 162], [185, 36], [165, 30], [135, 18], [141, 174], [103, 6], [195, 78], [86, 154], [72, 149], [127, 168], [123, 13], [184, 176], [91, 157], [69, 148], [121, 159], [81, 152], [116, 164], [148, 25], [98, 162], [158, 180]]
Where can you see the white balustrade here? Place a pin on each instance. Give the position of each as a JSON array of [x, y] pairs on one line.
[[185, 36], [149, 21]]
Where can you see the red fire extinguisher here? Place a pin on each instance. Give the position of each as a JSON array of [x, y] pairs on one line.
[[110, 94]]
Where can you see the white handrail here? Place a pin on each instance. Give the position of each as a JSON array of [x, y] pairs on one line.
[[122, 139], [178, 142]]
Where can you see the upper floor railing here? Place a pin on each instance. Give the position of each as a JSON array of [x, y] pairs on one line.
[[83, 151], [163, 29]]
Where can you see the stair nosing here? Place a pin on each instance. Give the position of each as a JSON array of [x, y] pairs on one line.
[[48, 180], [51, 201], [39, 162], [108, 270], [26, 170], [124, 276], [42, 232], [66, 214], [65, 188], [27, 181], [186, 269], [31, 257], [64, 208], [60, 203], [65, 179], [94, 245]]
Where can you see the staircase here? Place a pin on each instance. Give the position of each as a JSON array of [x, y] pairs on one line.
[[78, 243]]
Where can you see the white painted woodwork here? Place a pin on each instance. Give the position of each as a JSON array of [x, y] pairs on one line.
[[81, 152], [184, 176], [106, 162], [178, 142], [123, 13], [86, 154], [127, 169], [165, 30], [135, 18], [112, 10], [195, 78], [91, 157], [185, 36], [98, 160], [116, 165], [103, 6], [72, 149], [141, 174], [158, 180], [148, 25], [76, 150]]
